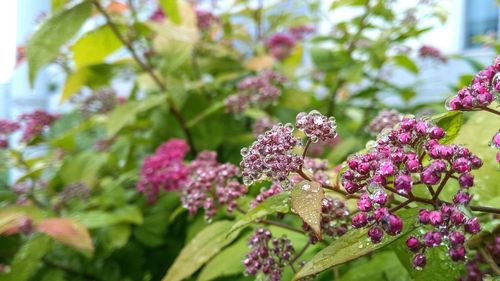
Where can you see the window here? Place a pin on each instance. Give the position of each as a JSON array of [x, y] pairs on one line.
[[481, 17]]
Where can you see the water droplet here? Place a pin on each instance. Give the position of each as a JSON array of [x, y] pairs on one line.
[[306, 187]]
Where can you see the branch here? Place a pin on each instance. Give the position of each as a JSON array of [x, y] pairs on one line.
[[489, 260], [441, 186], [402, 205], [485, 209], [301, 252], [282, 225], [491, 110], [149, 69]]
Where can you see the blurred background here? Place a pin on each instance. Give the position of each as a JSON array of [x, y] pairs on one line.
[[465, 21]]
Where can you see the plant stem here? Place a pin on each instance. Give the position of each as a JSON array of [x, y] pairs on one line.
[[485, 209], [441, 186], [282, 225], [489, 260], [149, 69], [402, 205], [491, 110], [302, 251]]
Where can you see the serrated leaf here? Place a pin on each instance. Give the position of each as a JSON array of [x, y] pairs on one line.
[[352, 245], [27, 260], [226, 263], [67, 231], [406, 62], [44, 45], [126, 113], [206, 244], [278, 203], [307, 198], [95, 46]]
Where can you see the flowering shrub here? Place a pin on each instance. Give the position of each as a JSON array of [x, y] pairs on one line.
[[252, 141]]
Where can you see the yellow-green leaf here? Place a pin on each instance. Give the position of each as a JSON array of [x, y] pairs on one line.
[[172, 10], [307, 198], [95, 46], [44, 45], [205, 245]]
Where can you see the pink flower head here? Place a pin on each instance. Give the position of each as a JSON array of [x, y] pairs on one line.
[[260, 90], [271, 155], [205, 19], [35, 123], [211, 184], [427, 51], [280, 45], [164, 170]]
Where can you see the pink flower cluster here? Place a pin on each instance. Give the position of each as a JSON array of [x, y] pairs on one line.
[[334, 219], [205, 19], [261, 125], [300, 32], [481, 91], [211, 184], [268, 259], [427, 51], [158, 15], [35, 123], [271, 156], [316, 126], [260, 90], [397, 164], [6, 128], [281, 44], [164, 170], [447, 226], [385, 119]]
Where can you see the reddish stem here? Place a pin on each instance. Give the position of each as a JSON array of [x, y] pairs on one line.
[[491, 110]]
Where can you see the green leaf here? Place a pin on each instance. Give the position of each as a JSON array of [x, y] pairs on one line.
[[172, 10], [57, 5], [227, 262], [439, 266], [307, 198], [216, 106], [475, 134], [98, 219], [340, 3], [95, 46], [77, 169], [44, 45], [450, 122], [351, 246], [323, 58], [406, 62], [93, 76], [126, 113], [382, 266], [201, 249], [27, 260], [278, 203]]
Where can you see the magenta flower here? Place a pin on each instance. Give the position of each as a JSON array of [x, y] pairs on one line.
[[35, 123], [280, 45], [316, 126], [427, 51], [164, 170]]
